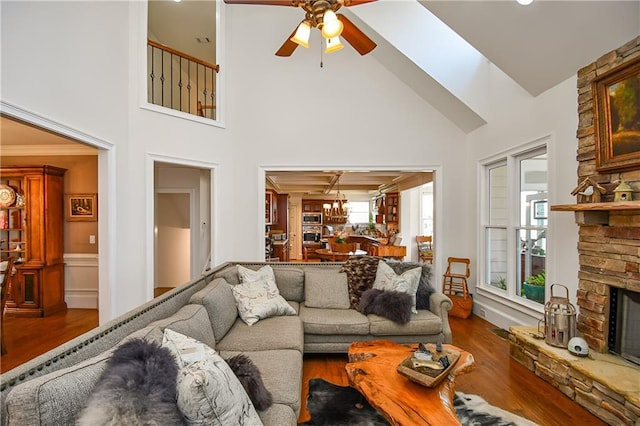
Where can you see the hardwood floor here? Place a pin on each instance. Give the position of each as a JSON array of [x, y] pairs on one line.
[[500, 380]]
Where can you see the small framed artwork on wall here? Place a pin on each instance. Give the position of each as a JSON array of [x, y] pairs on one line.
[[82, 208], [617, 117]]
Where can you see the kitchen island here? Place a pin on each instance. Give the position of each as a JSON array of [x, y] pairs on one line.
[[378, 246]]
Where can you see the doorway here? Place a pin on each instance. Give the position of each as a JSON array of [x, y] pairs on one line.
[[173, 239], [182, 218]]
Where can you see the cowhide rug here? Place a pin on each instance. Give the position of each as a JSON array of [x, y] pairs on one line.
[[332, 405]]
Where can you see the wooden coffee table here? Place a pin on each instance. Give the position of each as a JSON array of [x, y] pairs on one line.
[[372, 371]]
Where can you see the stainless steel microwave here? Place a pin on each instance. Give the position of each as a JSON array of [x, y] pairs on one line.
[[312, 218]]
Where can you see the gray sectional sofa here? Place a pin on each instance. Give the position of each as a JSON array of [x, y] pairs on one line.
[[53, 388]]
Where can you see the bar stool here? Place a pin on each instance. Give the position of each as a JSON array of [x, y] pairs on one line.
[[454, 280]]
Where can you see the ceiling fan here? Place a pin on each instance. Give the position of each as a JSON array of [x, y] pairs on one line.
[[320, 14]]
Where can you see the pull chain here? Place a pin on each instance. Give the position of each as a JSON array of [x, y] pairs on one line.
[[321, 64]]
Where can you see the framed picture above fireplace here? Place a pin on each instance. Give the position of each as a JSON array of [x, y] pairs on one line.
[[617, 117]]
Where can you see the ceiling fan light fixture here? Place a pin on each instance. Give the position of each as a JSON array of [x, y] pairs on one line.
[[331, 25], [333, 45], [302, 34]]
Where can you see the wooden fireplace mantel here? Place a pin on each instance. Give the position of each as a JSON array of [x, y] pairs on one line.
[[611, 206], [597, 213]]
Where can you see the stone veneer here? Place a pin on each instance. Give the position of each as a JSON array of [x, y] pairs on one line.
[[609, 255], [609, 250], [604, 384]]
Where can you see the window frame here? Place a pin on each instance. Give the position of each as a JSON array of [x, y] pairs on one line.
[[511, 158]]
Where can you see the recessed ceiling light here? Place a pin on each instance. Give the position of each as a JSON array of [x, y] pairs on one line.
[[525, 2]]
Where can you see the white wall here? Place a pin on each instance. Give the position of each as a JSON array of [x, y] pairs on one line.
[[80, 64], [519, 119]]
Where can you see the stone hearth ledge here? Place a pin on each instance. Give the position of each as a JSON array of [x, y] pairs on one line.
[[606, 385]]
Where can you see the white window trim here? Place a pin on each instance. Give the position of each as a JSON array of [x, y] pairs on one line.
[[509, 157]]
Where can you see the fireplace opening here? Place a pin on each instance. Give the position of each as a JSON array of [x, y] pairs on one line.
[[624, 324]]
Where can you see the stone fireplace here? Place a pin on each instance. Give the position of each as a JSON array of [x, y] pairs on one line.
[[609, 239], [609, 256]]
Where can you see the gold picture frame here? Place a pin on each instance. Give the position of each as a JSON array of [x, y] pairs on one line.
[[82, 207], [617, 118]]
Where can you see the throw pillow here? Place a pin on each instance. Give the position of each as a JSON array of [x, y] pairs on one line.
[[263, 274], [394, 305], [326, 290], [208, 391], [425, 289], [137, 387], [258, 300], [361, 272], [251, 380], [407, 282]]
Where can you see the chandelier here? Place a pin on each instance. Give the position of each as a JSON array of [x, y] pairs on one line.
[[339, 209]]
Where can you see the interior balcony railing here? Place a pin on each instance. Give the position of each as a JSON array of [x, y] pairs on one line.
[[180, 81]]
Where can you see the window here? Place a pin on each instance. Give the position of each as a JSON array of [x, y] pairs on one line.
[[359, 211], [426, 209], [514, 225]]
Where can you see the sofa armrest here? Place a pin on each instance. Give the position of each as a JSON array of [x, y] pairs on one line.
[[440, 305]]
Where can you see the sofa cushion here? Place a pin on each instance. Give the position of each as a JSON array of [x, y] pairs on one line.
[[220, 304], [361, 272], [333, 321], [272, 333], [281, 372], [425, 288], [279, 414], [138, 386], [290, 282], [230, 274], [58, 397], [326, 289], [422, 323], [407, 282], [192, 321], [208, 391]]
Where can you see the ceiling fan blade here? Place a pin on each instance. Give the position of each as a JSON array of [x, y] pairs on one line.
[[355, 37], [263, 2], [348, 3], [288, 46]]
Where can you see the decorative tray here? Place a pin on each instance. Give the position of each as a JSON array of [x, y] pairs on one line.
[[426, 376]]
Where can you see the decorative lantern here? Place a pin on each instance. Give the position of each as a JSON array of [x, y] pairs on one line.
[[559, 319]]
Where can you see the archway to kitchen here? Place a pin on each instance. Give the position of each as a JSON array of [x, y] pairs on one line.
[[417, 187]]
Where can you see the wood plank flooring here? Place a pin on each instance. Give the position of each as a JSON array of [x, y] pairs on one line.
[[500, 380]]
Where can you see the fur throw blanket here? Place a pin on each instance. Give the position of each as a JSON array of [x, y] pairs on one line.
[[393, 305], [138, 387], [251, 380]]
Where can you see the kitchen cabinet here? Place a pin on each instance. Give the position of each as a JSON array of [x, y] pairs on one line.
[[312, 206], [270, 207], [281, 250], [392, 208], [33, 234]]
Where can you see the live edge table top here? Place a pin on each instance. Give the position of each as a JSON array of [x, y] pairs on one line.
[[372, 371]]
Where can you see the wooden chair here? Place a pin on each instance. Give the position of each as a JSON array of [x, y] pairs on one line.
[[6, 270], [454, 280], [425, 250]]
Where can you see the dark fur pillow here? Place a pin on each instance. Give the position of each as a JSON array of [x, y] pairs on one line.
[[251, 379], [138, 386], [361, 273], [393, 305], [425, 289]]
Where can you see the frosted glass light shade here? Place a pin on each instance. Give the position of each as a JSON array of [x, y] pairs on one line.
[[302, 34], [333, 45], [525, 2], [331, 25]]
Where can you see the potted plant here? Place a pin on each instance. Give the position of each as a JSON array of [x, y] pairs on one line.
[[534, 287]]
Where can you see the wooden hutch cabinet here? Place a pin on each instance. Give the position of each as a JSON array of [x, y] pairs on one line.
[[31, 231]]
